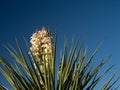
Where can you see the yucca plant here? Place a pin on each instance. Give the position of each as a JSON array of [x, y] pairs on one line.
[[37, 71]]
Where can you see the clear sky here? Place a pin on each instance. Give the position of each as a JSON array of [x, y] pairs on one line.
[[100, 19]]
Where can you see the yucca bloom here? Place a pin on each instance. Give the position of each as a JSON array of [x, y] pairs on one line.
[[41, 46]]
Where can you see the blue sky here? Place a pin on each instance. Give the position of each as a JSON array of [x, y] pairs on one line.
[[100, 19]]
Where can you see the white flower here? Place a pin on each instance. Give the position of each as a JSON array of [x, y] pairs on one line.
[[41, 45]]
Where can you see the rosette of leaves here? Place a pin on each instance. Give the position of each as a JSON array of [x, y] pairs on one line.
[[75, 72]]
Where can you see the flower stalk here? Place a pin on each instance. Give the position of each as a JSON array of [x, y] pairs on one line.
[[41, 46]]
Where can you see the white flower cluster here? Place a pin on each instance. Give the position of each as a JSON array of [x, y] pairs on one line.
[[41, 45]]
